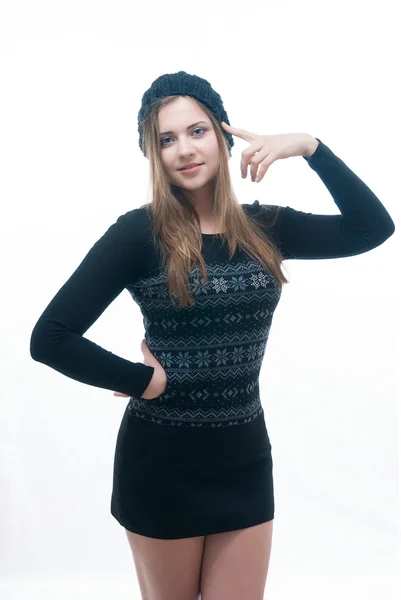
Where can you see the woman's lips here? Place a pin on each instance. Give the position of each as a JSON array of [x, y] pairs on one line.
[[193, 170]]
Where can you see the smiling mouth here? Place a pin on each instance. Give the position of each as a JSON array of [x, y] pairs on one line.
[[188, 170]]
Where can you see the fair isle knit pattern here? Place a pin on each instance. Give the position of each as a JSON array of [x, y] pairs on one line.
[[212, 352]]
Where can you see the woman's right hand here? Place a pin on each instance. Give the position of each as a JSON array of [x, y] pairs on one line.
[[158, 383]]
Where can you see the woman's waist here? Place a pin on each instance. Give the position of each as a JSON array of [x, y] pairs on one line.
[[235, 379], [171, 443]]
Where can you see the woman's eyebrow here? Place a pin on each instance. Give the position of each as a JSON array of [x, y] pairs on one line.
[[189, 127]]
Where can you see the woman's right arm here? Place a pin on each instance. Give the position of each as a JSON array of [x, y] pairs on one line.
[[57, 338]]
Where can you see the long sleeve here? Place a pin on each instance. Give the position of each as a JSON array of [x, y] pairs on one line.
[[57, 338], [363, 224]]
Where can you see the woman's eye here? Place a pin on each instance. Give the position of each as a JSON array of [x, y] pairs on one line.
[[169, 138]]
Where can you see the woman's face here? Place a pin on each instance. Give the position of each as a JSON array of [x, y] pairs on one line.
[[181, 144]]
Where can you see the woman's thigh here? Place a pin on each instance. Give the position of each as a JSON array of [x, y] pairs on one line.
[[235, 563], [167, 569]]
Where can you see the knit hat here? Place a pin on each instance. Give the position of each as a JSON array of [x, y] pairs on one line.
[[183, 84]]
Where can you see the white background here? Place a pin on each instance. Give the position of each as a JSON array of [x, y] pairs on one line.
[[72, 75]]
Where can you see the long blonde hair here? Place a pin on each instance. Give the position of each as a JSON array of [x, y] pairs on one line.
[[175, 223]]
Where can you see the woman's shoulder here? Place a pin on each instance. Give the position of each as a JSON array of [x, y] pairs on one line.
[[135, 217], [265, 213], [134, 222]]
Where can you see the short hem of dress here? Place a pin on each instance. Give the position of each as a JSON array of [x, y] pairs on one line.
[[203, 530]]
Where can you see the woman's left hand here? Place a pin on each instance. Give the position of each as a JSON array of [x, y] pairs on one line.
[[265, 149]]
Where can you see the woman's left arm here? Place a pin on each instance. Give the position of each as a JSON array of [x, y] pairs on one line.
[[364, 223]]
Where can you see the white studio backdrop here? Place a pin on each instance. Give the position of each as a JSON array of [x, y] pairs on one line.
[[73, 75]]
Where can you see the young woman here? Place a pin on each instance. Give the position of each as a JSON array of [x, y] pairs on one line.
[[193, 471]]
